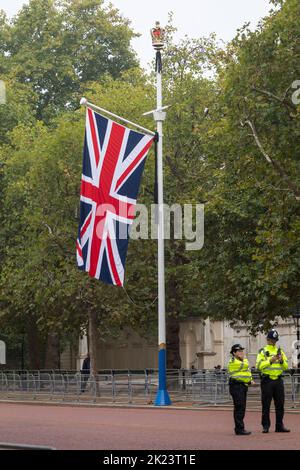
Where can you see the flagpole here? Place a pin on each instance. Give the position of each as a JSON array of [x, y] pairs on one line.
[[85, 102], [162, 397]]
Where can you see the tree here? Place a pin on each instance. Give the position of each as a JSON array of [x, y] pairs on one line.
[[252, 218], [18, 109], [57, 46]]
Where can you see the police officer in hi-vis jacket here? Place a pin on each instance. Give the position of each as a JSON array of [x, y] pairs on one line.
[[271, 362], [240, 378]]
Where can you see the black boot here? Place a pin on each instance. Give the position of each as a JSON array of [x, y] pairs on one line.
[[265, 430], [282, 429], [242, 433]]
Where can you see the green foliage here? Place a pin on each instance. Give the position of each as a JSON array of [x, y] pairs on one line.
[[252, 218], [20, 107], [57, 46]]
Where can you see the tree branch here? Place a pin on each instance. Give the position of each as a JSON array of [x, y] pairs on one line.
[[173, 168], [57, 241], [283, 100], [276, 165]]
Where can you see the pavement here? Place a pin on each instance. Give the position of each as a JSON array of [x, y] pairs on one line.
[[110, 428]]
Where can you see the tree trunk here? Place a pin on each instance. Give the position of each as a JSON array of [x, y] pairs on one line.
[[173, 343], [34, 352], [93, 341], [52, 360]]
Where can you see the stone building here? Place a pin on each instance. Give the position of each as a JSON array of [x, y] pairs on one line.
[[204, 344]]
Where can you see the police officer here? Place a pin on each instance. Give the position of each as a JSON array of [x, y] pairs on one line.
[[271, 362], [240, 378]]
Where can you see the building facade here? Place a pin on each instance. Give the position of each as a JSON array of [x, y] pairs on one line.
[[204, 344]]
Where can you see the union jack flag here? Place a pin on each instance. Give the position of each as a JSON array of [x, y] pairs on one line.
[[113, 163]]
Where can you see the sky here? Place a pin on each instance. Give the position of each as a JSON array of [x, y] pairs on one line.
[[195, 18]]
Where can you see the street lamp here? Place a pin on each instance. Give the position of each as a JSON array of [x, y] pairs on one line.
[[296, 317], [162, 397]]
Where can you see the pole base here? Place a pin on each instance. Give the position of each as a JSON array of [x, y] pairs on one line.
[[162, 398]]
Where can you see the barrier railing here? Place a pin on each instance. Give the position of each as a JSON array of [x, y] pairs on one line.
[[12, 446], [199, 387]]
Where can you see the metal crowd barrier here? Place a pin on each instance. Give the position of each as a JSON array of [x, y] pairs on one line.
[[12, 446], [199, 387]]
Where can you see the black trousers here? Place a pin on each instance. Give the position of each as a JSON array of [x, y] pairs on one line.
[[85, 374], [238, 391], [272, 389]]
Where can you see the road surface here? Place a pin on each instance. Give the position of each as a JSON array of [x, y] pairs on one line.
[[71, 427]]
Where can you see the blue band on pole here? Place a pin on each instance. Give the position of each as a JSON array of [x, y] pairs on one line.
[[162, 397]]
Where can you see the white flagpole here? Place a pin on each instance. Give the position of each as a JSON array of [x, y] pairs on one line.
[[85, 102], [162, 397]]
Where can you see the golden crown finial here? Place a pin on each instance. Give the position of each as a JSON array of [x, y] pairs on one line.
[[158, 36]]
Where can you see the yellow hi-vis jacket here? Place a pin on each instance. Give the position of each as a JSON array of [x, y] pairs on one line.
[[239, 370], [265, 367]]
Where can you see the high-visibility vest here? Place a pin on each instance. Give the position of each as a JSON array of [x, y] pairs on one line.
[[265, 367], [239, 370]]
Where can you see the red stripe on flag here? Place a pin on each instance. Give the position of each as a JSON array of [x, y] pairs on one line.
[[112, 262], [85, 225], [133, 164], [90, 191], [79, 249], [111, 157]]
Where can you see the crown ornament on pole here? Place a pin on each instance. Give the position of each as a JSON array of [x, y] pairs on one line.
[[158, 36]]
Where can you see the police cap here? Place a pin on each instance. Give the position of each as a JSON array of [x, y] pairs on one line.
[[236, 347], [273, 334]]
